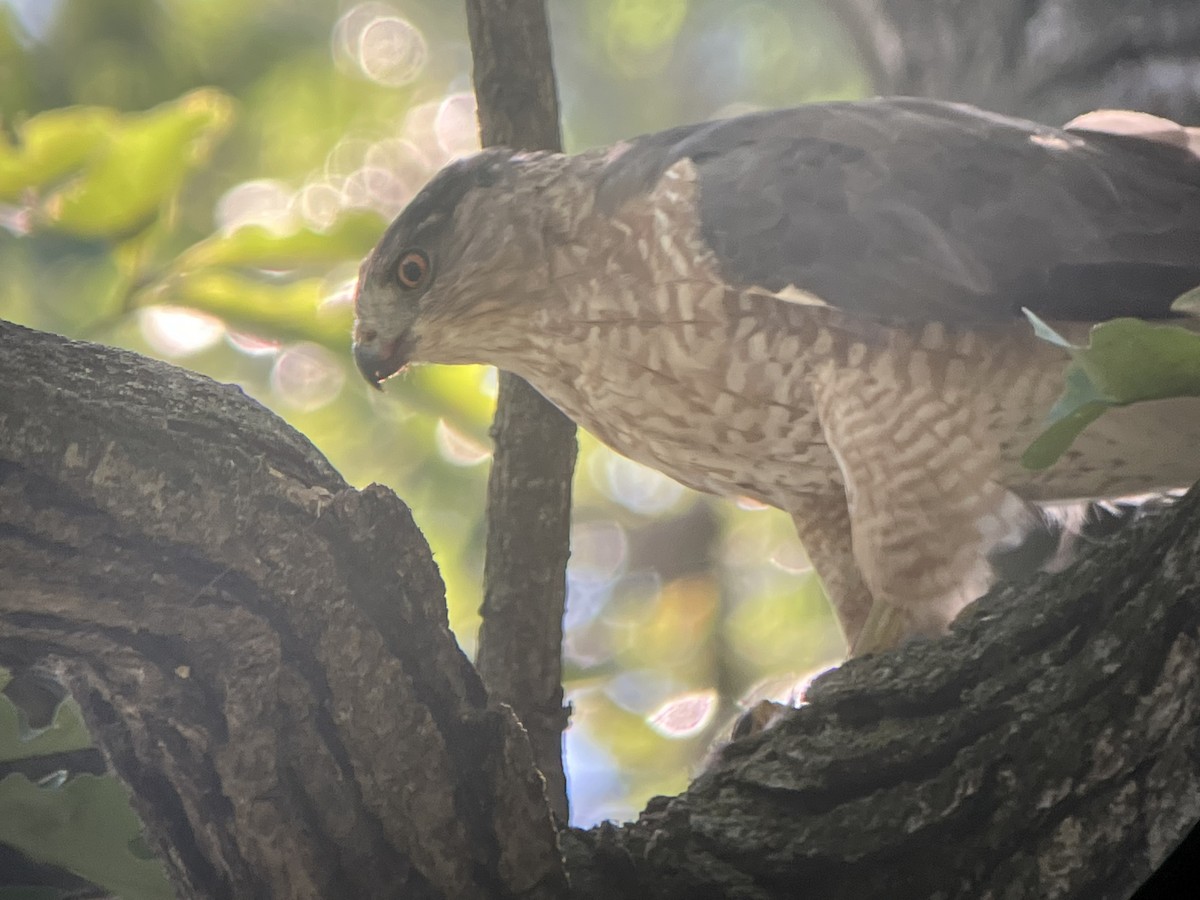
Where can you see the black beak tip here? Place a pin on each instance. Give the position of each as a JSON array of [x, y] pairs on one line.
[[378, 364]]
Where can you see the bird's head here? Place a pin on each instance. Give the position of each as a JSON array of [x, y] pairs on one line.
[[453, 277]]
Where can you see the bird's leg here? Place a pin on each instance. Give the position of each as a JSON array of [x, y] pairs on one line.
[[921, 547], [823, 526], [887, 626], [919, 466]]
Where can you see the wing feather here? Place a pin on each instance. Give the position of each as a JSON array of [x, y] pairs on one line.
[[910, 210]]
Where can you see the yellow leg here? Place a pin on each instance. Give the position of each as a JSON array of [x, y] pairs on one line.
[[886, 628], [823, 525]]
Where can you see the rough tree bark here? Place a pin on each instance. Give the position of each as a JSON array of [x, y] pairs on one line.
[[261, 651], [263, 655], [1050, 747]]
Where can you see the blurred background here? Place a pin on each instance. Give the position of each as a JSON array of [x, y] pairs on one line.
[[198, 179]]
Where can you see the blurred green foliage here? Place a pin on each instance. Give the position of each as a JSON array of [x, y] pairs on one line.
[[19, 739], [81, 823], [198, 181], [1125, 361], [85, 825]]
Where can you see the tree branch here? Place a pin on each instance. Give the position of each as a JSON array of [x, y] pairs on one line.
[[529, 488], [1049, 748], [261, 652]]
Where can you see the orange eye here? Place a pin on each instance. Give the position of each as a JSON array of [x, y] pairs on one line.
[[413, 269]]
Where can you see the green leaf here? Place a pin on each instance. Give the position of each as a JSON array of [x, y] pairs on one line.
[[52, 145], [86, 826], [253, 246], [127, 181], [1079, 392], [1131, 360], [1126, 361], [1052, 443], [276, 309], [67, 732], [1045, 332]]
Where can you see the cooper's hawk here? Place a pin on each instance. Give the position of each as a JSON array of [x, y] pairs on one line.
[[819, 308]]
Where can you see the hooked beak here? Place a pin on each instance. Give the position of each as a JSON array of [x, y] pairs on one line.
[[380, 360]]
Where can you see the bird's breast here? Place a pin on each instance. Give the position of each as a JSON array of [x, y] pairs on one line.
[[715, 387], [682, 379]]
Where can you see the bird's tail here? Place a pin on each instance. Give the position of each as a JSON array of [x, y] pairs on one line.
[[1057, 533]]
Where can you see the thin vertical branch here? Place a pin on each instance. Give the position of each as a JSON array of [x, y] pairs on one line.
[[529, 490]]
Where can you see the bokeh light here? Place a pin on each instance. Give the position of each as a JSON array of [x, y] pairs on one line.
[[35, 16], [685, 715], [373, 187], [457, 448], [456, 126], [252, 344], [634, 486], [307, 376], [788, 554], [598, 552], [178, 333], [263, 201], [345, 156], [391, 51], [339, 285], [384, 46], [344, 111], [320, 204], [402, 159]]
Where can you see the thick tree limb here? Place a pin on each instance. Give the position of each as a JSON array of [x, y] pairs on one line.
[[529, 488], [261, 651], [263, 655], [1049, 748]]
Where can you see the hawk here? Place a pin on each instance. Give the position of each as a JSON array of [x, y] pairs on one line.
[[821, 308]]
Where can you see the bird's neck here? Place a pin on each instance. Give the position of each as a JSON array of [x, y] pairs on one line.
[[552, 195]]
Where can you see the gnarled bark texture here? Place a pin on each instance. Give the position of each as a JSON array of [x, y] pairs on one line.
[[261, 651], [1050, 747], [263, 656]]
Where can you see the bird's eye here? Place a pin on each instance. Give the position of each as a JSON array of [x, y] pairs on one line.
[[413, 269]]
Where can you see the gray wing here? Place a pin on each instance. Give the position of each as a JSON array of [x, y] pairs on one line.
[[911, 210]]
